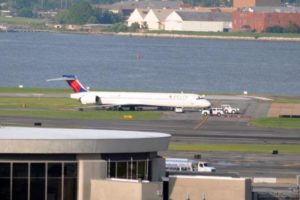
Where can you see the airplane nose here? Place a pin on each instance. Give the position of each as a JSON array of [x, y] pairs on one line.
[[207, 103]]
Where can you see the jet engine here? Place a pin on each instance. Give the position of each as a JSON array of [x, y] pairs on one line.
[[90, 99]]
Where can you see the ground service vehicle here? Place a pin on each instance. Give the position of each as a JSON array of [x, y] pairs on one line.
[[229, 110], [213, 111], [183, 164]]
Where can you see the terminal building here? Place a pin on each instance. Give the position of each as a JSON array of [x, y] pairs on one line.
[[60, 164]]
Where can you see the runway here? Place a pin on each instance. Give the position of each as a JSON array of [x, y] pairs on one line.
[[214, 130], [192, 127]]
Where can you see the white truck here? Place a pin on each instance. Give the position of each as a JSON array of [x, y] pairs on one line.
[[213, 111], [189, 165], [230, 110]]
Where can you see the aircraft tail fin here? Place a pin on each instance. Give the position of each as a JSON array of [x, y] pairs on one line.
[[73, 82]]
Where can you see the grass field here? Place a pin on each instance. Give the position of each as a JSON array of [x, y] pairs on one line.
[[34, 23], [37, 103], [64, 108], [272, 122], [243, 148], [33, 90], [287, 100]]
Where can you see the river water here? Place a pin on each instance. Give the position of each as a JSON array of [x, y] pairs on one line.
[[151, 64]]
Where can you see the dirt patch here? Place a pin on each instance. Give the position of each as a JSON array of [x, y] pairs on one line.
[[277, 109]]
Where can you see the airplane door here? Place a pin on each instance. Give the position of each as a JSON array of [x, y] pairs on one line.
[[98, 100]]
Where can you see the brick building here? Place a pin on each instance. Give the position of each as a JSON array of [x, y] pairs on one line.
[[259, 19], [253, 3]]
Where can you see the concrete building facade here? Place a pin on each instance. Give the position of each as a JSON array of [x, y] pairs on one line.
[[254, 3], [259, 19], [198, 21], [59, 164], [137, 16], [205, 187], [155, 19]]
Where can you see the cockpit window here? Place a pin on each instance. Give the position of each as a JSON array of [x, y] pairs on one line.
[[199, 97]]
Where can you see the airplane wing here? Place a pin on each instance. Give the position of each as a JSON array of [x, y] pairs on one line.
[[112, 106]]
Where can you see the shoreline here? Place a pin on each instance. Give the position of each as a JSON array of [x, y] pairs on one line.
[[186, 36], [169, 35]]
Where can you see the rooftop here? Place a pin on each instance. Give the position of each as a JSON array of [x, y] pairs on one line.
[[204, 16], [17, 133], [21, 140]]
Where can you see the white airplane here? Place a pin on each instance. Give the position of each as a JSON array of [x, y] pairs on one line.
[[178, 101]]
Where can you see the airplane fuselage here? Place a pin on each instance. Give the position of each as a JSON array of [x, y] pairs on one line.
[[183, 100]]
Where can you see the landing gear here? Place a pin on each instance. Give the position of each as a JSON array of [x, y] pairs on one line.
[[131, 108]]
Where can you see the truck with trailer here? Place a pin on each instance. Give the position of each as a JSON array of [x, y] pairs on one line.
[[188, 165]]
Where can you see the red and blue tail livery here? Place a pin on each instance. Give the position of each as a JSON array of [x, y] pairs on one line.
[[74, 83]]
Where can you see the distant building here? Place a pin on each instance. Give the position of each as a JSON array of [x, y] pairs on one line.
[[253, 3], [260, 18], [137, 16], [5, 13], [155, 19], [127, 7], [198, 21]]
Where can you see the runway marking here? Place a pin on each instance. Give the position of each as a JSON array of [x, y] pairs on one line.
[[201, 122]]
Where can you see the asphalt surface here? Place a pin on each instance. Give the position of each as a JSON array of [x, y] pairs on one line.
[[215, 130], [192, 127]]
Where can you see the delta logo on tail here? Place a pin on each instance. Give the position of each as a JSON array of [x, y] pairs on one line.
[[74, 83]]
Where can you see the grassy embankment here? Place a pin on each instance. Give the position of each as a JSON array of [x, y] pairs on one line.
[[275, 122], [61, 108], [243, 148], [22, 21], [290, 100], [231, 34]]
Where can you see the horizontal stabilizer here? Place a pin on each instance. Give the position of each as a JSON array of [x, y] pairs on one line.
[[64, 78]]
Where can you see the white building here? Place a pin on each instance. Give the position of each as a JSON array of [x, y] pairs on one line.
[[155, 18], [57, 163], [137, 16], [198, 21]]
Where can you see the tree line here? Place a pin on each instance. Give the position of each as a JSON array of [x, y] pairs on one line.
[[290, 28], [83, 13]]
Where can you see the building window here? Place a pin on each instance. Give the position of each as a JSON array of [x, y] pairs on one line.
[[70, 181], [121, 170], [38, 181], [20, 181], [5, 181], [129, 169]]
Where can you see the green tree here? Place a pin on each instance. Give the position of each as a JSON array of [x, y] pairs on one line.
[[25, 12], [119, 27], [292, 28], [107, 17], [62, 17], [144, 26], [92, 20], [26, 3], [79, 13], [134, 27], [275, 29]]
